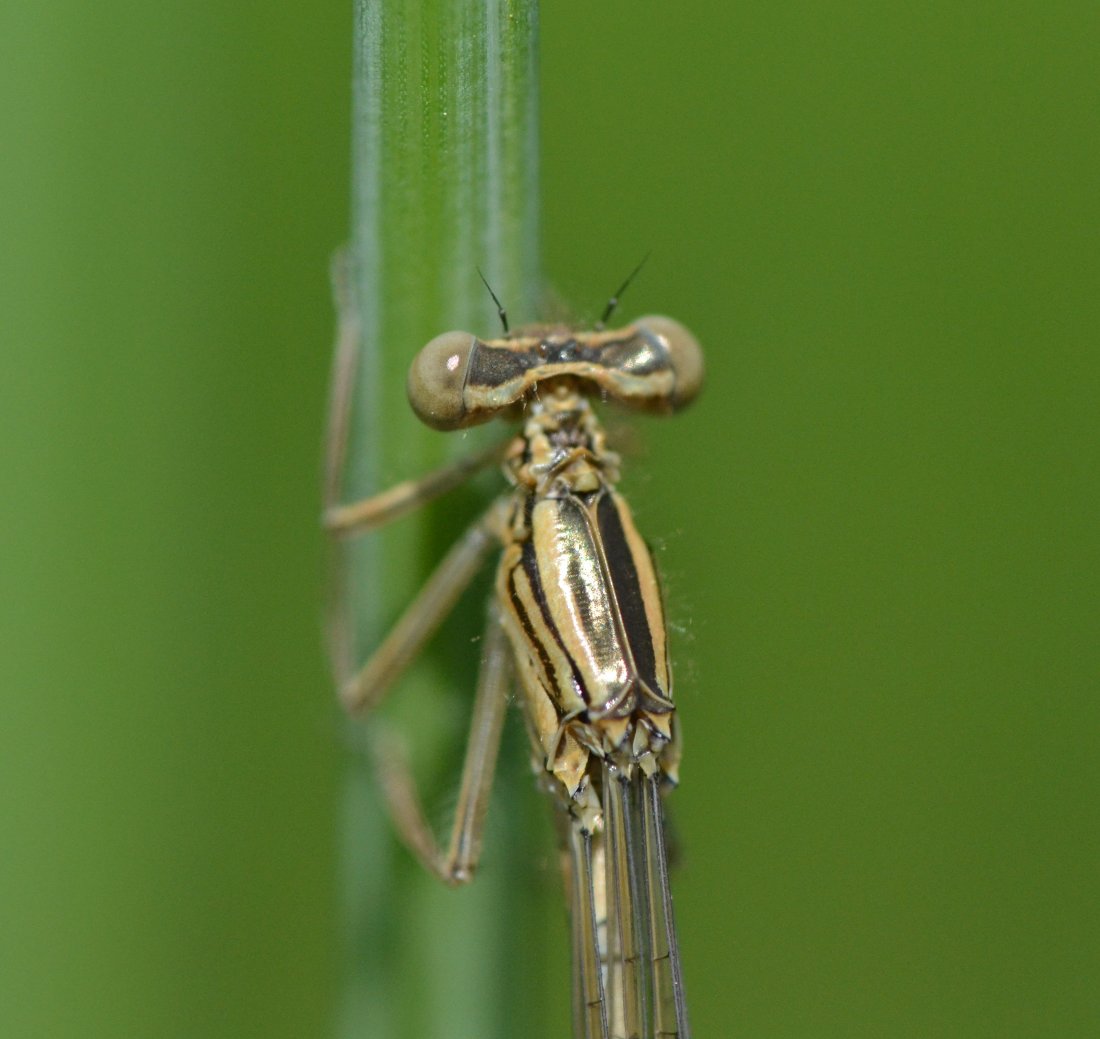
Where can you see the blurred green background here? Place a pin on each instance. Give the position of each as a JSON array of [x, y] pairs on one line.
[[878, 527]]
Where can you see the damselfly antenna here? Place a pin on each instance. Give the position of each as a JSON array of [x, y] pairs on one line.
[[500, 308], [614, 301]]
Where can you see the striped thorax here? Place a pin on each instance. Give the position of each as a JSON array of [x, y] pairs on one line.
[[582, 603]]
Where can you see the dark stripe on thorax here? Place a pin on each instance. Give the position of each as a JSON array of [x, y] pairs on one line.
[[628, 591], [531, 568], [549, 681]]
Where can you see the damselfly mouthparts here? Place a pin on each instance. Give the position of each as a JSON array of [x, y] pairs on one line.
[[577, 626]]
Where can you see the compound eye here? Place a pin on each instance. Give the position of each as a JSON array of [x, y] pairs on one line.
[[437, 378], [684, 354]]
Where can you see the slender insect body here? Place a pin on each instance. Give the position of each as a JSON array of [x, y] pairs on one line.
[[577, 624], [582, 609], [582, 604]]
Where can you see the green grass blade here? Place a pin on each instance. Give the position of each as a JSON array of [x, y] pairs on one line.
[[444, 183]]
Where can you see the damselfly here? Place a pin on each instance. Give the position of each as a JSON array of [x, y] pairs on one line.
[[577, 627]]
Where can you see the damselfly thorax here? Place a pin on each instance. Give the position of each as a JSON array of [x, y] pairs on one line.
[[582, 608], [577, 625]]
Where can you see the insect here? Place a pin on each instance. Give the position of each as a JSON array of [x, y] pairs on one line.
[[576, 627]]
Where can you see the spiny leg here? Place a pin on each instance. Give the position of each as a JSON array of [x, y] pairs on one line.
[[407, 496], [363, 690], [345, 355], [425, 613], [457, 863], [345, 358]]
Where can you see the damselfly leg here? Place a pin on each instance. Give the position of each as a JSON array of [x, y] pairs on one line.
[[363, 689]]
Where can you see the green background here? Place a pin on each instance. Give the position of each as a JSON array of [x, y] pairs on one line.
[[878, 527]]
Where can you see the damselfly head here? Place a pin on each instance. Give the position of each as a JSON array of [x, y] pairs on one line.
[[458, 380]]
